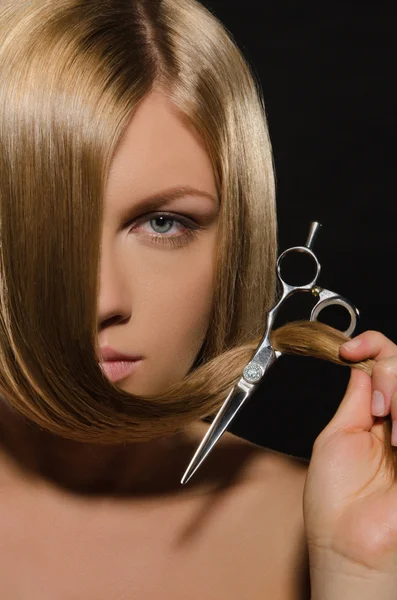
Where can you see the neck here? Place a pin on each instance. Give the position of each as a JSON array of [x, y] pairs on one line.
[[153, 467]]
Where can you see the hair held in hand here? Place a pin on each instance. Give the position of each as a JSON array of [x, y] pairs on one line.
[[61, 119]]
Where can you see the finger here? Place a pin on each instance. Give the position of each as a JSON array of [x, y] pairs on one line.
[[394, 419], [378, 430], [384, 386], [354, 412], [370, 344]]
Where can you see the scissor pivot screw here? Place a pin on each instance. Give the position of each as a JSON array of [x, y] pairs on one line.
[[316, 291], [252, 372]]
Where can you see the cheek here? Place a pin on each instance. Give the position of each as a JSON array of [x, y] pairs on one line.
[[190, 308], [173, 305]]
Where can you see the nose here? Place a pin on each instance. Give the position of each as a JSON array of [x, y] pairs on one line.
[[114, 302]]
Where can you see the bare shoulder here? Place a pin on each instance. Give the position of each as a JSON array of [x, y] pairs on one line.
[[283, 472], [278, 481], [270, 498], [258, 464]]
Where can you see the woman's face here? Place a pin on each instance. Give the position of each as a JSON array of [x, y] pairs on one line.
[[157, 261]]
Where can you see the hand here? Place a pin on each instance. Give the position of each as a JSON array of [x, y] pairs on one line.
[[350, 496]]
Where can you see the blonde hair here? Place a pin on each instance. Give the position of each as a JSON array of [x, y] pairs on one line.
[[72, 75]]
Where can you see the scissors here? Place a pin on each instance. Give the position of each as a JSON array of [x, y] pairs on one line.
[[265, 354]]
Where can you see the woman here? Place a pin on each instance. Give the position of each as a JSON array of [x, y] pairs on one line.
[[138, 248]]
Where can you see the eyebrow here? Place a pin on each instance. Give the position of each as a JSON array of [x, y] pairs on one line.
[[153, 201]]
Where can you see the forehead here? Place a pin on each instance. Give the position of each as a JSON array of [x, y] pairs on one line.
[[159, 149]]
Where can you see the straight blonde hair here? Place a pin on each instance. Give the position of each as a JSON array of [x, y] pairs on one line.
[[72, 75]]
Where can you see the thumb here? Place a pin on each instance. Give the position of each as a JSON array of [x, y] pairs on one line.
[[354, 412]]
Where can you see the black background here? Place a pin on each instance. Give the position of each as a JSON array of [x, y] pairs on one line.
[[327, 72]]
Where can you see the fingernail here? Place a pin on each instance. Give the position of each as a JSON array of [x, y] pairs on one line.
[[352, 344], [378, 403], [394, 434]]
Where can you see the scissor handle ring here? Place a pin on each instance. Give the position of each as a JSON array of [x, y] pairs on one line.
[[305, 250], [352, 310]]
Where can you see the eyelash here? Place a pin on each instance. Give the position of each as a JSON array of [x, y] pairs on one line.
[[176, 241]]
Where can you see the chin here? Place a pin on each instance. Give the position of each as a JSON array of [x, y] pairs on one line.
[[151, 385]]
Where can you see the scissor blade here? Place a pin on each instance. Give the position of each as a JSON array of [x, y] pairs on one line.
[[226, 414]]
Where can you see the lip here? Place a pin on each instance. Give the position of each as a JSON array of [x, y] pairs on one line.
[[118, 369], [107, 353], [117, 365]]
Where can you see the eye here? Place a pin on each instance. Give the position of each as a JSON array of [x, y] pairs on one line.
[[160, 225], [166, 228]]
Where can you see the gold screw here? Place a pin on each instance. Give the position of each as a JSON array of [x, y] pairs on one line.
[[316, 291]]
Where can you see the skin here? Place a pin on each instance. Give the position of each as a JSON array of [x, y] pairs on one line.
[[155, 298]]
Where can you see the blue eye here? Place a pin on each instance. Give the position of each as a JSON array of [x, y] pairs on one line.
[[162, 223]]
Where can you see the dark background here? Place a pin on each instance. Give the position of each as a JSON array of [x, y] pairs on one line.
[[327, 72]]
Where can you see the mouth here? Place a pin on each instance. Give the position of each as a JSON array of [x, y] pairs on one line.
[[115, 370]]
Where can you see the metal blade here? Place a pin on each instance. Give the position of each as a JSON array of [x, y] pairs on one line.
[[226, 414]]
